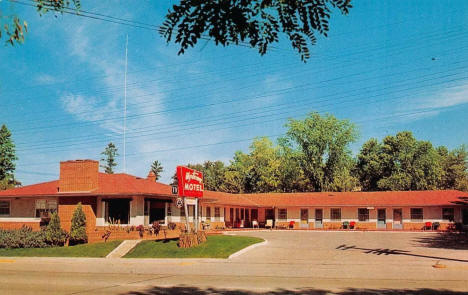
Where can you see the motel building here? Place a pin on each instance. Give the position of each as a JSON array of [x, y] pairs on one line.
[[126, 200]]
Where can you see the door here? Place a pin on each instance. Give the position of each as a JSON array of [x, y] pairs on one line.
[[397, 219], [318, 218], [231, 216], [270, 215], [304, 218], [157, 211], [381, 219], [465, 216]]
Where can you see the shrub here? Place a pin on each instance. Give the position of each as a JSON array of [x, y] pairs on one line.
[[171, 225], [78, 227], [201, 236], [141, 230], [55, 235], [156, 227], [23, 238]]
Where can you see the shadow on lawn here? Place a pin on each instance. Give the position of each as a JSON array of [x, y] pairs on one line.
[[381, 251], [445, 240], [186, 290]]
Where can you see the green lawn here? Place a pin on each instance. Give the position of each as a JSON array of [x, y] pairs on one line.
[[219, 246], [85, 250]]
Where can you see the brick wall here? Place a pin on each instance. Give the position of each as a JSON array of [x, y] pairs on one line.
[[66, 212], [365, 225], [96, 236], [17, 225], [332, 225], [78, 175]]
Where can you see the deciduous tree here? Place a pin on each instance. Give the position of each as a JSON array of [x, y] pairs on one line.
[[323, 145], [15, 29]]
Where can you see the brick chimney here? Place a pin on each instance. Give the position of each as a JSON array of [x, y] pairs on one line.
[[151, 176], [78, 176]]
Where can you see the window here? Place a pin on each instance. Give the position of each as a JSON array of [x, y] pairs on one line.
[[169, 209], [335, 214], [44, 207], [448, 214], [282, 214], [208, 213], [416, 214], [217, 213], [363, 214], [4, 208]]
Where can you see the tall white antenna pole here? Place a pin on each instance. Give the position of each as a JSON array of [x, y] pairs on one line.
[[125, 109]]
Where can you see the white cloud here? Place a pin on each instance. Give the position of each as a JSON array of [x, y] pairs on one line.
[[448, 97], [45, 79]]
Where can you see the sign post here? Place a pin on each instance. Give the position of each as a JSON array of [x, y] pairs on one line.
[[190, 187]]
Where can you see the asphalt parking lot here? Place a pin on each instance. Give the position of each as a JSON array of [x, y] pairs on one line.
[[290, 262]]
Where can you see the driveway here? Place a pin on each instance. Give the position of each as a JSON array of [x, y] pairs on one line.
[[291, 262]]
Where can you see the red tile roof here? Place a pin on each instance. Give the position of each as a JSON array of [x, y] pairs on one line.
[[124, 184], [385, 198], [109, 184]]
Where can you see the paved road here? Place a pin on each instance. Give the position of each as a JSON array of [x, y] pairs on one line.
[[345, 263]]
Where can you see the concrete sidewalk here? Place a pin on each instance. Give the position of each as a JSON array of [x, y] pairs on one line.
[[125, 247]]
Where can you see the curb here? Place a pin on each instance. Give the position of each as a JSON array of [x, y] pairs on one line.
[[242, 251]]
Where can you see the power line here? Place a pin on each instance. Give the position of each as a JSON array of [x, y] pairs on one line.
[[176, 109], [217, 125], [230, 115]]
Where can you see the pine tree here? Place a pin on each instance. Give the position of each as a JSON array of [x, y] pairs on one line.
[[55, 235], [7, 158], [157, 168], [78, 226], [109, 158]]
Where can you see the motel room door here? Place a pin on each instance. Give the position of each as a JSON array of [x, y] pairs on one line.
[[318, 218], [397, 219], [465, 216], [381, 219], [304, 218]]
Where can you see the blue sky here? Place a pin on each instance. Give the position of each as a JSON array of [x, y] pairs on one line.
[[388, 66]]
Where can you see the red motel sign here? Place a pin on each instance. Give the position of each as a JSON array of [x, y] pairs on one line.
[[190, 182]]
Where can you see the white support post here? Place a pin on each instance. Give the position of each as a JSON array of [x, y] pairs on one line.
[[186, 215], [196, 215]]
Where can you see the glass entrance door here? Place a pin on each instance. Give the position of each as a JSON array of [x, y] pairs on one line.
[[318, 218], [381, 218], [304, 218]]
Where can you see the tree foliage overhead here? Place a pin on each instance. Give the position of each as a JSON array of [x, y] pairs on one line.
[[110, 153], [7, 159], [258, 22], [15, 29]]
